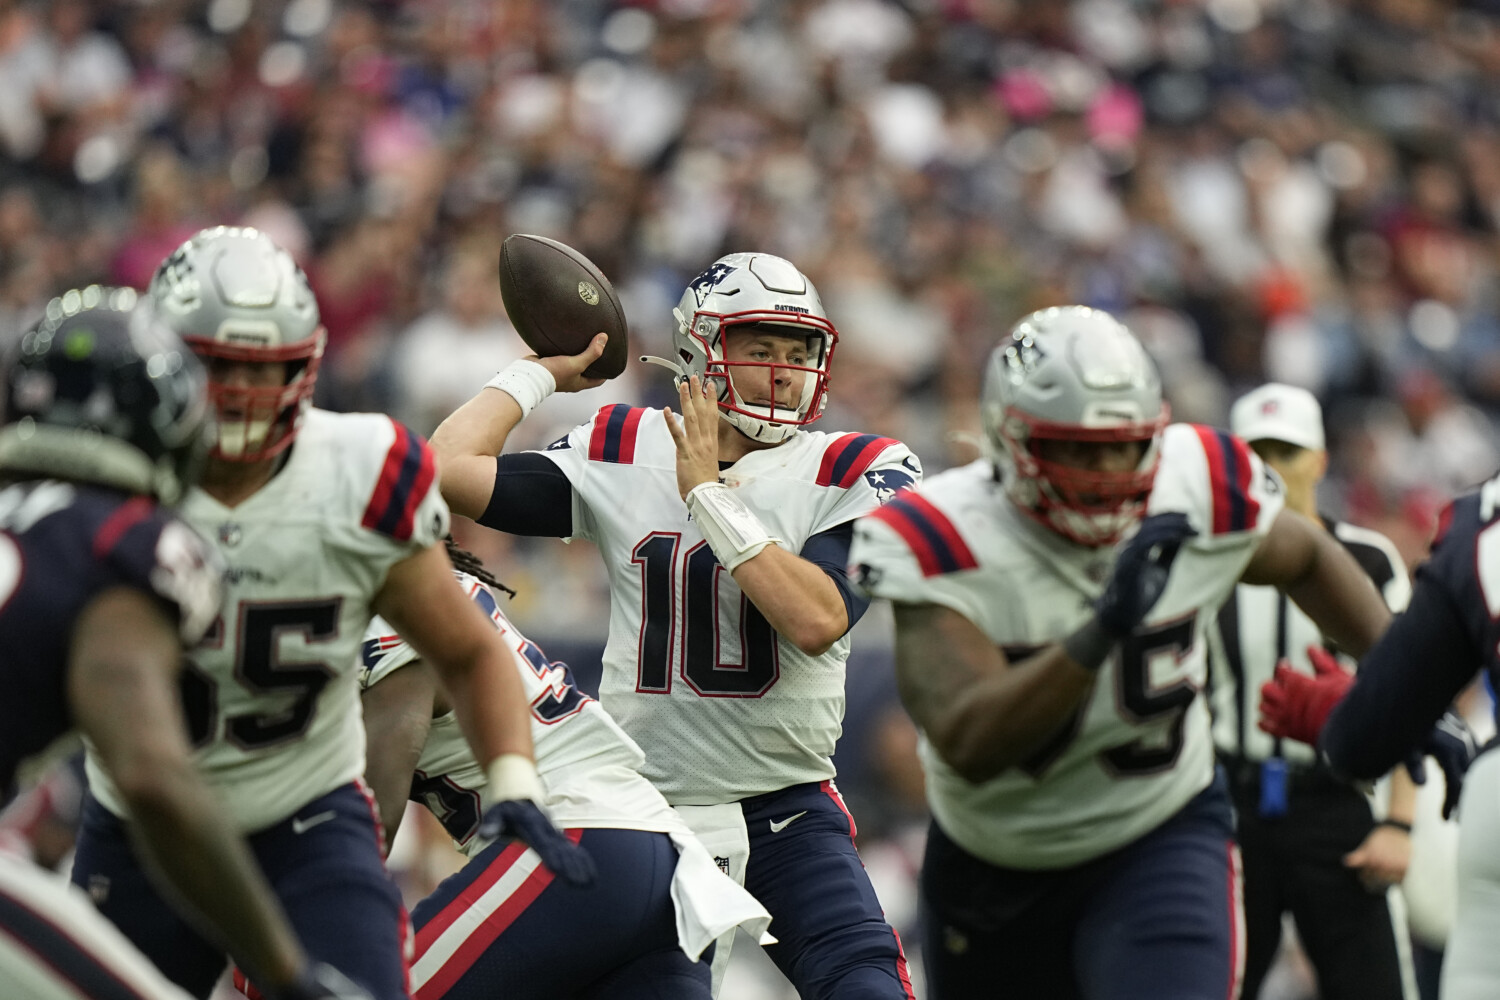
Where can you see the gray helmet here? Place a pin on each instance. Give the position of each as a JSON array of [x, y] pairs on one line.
[[1072, 373], [754, 288], [233, 294]]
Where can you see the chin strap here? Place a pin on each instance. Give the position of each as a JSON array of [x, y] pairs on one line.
[[682, 374]]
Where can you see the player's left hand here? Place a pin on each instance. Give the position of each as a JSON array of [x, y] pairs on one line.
[[524, 820], [1382, 859], [1295, 706], [697, 438], [1451, 743]]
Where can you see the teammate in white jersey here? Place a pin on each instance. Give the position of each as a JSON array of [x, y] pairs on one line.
[[1082, 843], [321, 519], [491, 929], [725, 536]]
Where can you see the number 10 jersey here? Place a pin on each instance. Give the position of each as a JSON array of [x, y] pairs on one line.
[[272, 692], [1138, 747], [723, 707]]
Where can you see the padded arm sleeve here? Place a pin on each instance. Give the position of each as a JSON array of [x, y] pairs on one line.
[[532, 497]]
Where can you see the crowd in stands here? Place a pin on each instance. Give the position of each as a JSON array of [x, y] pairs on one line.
[[1299, 190]]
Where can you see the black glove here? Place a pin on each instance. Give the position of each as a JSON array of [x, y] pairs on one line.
[[1451, 743], [321, 981], [524, 820], [1141, 572]]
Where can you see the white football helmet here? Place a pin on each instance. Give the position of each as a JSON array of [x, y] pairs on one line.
[[741, 289], [232, 294], [1075, 374]]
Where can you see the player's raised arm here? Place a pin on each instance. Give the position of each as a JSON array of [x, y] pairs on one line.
[[468, 442], [1323, 579], [122, 687], [424, 602]]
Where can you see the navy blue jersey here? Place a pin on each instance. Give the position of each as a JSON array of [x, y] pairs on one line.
[[60, 546], [1450, 631]]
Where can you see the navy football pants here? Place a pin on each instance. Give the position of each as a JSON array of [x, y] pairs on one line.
[[834, 941], [504, 927], [324, 864], [1159, 919]]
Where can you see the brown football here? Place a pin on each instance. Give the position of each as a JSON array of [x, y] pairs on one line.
[[558, 300]]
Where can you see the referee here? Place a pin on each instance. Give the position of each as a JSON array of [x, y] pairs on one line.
[[1310, 843]]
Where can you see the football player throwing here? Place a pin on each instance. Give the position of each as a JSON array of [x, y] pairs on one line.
[[725, 534], [1082, 843]]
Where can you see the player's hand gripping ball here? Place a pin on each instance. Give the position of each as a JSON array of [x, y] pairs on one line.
[[558, 301]]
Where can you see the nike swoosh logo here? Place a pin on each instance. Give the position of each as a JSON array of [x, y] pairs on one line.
[[778, 827], [300, 825]]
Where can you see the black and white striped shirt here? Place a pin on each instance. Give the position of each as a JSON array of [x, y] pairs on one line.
[[1258, 625]]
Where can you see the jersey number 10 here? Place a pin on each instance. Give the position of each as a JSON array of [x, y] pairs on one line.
[[688, 592]]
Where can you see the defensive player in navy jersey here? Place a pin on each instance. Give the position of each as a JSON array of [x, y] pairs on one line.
[[1397, 701], [100, 589], [322, 520], [725, 536]]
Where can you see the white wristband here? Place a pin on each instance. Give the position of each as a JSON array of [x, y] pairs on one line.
[[513, 776], [527, 382], [732, 530]]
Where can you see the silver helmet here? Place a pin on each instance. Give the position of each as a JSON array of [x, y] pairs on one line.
[[234, 295], [1072, 373], [741, 289]]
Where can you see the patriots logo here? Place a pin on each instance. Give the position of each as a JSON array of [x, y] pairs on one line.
[[705, 282], [887, 482], [559, 444]]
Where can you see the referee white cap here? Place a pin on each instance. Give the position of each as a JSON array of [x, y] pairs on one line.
[[1279, 412]]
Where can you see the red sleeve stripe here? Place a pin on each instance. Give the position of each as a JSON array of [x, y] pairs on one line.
[[849, 456], [404, 481], [125, 517], [1229, 474], [613, 437], [929, 534]]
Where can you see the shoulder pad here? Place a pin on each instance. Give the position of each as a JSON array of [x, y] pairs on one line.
[[928, 532], [847, 456], [613, 436], [404, 480]]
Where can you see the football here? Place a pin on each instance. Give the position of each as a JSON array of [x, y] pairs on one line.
[[558, 300]]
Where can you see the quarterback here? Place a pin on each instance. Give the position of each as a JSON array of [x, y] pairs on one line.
[[1082, 842], [321, 520], [659, 900], [725, 535]]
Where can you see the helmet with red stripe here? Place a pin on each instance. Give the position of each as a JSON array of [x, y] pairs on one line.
[[1073, 374], [236, 297], [745, 289]]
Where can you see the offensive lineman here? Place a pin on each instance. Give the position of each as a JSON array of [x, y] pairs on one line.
[[726, 542], [659, 900], [322, 519], [105, 417], [1082, 843]]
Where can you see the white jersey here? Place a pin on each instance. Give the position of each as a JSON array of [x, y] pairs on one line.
[[272, 692], [723, 706], [590, 773], [587, 764], [1138, 748]]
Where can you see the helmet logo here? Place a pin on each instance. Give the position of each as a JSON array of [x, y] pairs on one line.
[[588, 293], [706, 282]]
